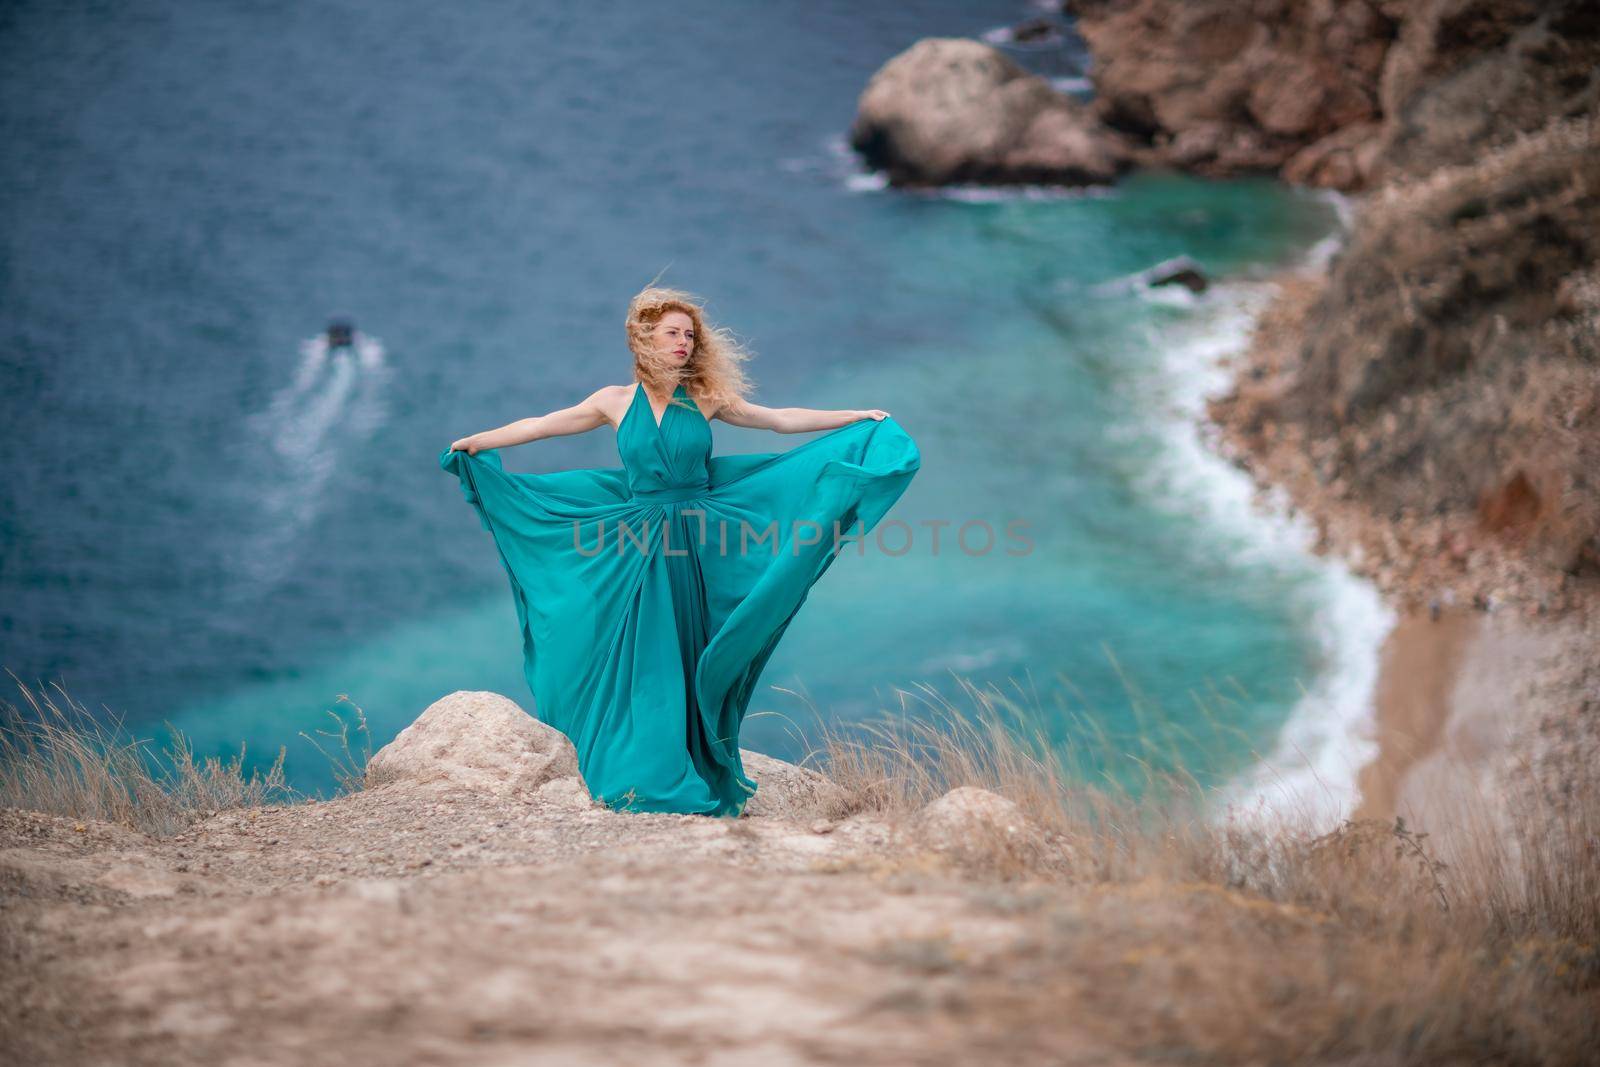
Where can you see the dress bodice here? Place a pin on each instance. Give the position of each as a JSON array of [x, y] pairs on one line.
[[670, 461]]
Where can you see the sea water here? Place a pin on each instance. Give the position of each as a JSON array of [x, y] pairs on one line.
[[210, 519]]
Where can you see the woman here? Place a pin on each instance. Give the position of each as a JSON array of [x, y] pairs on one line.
[[651, 595]]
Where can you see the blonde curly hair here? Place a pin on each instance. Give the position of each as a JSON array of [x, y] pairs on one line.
[[712, 377]]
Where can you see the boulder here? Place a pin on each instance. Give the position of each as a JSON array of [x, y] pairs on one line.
[[957, 110], [785, 791], [477, 741], [1180, 270], [1344, 160], [976, 827]]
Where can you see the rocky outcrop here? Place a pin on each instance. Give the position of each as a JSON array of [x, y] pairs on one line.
[[1180, 270], [485, 744], [956, 110], [1222, 88], [1467, 76], [476, 741], [1344, 94], [1344, 160], [785, 791], [1337, 93], [1447, 378], [1444, 378], [976, 827]]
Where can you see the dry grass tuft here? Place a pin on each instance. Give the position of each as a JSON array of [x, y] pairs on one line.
[[57, 757], [348, 765]]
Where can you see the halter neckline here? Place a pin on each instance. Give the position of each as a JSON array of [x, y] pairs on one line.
[[639, 391]]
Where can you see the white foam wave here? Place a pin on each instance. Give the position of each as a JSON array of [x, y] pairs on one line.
[[1071, 83], [1327, 737], [1006, 37], [841, 164], [1344, 211], [297, 420], [869, 182], [984, 194]]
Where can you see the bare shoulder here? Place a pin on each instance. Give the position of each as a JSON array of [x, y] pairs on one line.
[[611, 401], [613, 392]]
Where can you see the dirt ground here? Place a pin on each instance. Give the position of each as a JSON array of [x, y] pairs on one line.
[[473, 905], [405, 927]]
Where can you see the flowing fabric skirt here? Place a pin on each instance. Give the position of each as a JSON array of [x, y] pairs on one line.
[[647, 618]]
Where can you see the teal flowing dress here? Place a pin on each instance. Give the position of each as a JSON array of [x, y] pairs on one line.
[[650, 596]]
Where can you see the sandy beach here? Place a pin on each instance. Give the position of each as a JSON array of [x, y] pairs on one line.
[[1419, 663], [1482, 712]]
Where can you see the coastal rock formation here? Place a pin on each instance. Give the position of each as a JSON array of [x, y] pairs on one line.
[[1432, 400], [1465, 76], [955, 110], [1222, 88], [1344, 160], [1339, 93], [1180, 270], [1443, 377], [1344, 94]]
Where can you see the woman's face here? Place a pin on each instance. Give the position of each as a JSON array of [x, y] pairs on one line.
[[674, 336]]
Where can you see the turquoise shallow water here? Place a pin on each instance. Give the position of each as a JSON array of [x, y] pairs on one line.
[[209, 524]]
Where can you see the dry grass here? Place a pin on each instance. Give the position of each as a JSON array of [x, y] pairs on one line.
[[58, 757], [1182, 929], [348, 765]]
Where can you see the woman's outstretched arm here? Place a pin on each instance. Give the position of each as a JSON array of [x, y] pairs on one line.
[[792, 420], [581, 417]]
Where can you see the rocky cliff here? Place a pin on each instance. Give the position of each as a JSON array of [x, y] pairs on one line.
[[1445, 374], [1342, 93]]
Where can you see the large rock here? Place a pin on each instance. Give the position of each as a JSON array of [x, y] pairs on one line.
[[785, 791], [1180, 270], [956, 110], [1221, 88], [978, 828], [1338, 93], [477, 741], [1345, 159]]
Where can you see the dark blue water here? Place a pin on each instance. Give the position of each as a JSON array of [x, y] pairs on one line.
[[206, 521]]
